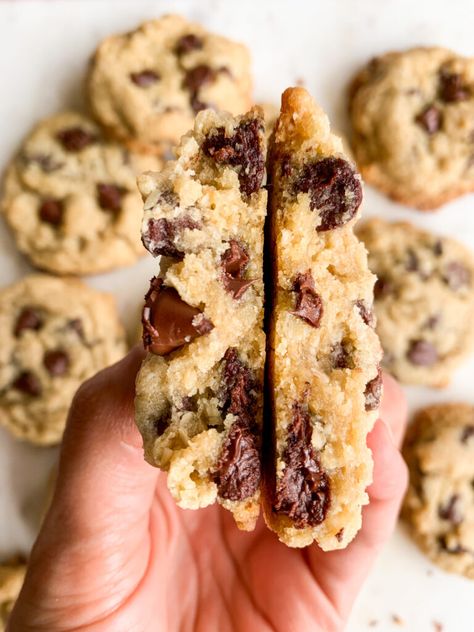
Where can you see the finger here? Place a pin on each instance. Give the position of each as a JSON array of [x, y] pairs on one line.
[[341, 573], [394, 409]]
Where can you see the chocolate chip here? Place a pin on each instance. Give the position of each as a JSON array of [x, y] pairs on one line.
[[467, 433], [432, 322], [161, 423], [189, 404], [198, 105], [373, 392], [238, 470], [438, 248], [51, 211], [335, 191], [56, 362], [454, 549], [456, 275], [75, 139], [430, 119], [383, 287], [169, 322], [29, 318], [243, 150], [366, 313], [303, 491], [193, 81], [452, 88], [187, 43], [144, 78], [28, 383], [340, 535], [110, 197], [286, 168], [341, 356], [234, 261], [422, 353], [451, 510], [412, 264], [161, 233], [309, 305]]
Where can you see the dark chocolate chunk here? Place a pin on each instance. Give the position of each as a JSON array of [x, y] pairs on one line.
[[28, 318], [467, 433], [189, 404], [334, 188], [75, 139], [28, 383], [454, 549], [242, 150], [422, 353], [452, 88], [109, 197], [234, 261], [366, 313], [188, 43], [340, 535], [161, 423], [198, 105], [56, 362], [161, 233], [144, 78], [383, 287], [412, 263], [430, 119], [438, 248], [286, 168], [451, 510], [193, 81], [341, 356], [238, 393], [303, 491], [169, 322], [51, 211], [456, 275], [373, 392], [309, 305]]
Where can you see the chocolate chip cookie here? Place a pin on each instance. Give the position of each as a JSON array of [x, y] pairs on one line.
[[12, 575], [55, 334], [439, 505], [199, 391], [71, 199], [146, 86], [424, 300], [412, 115], [323, 355]]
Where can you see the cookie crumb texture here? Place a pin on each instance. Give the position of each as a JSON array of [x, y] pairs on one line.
[[323, 373], [424, 300], [71, 199], [439, 505], [199, 391], [12, 575], [412, 115], [147, 86], [56, 333]]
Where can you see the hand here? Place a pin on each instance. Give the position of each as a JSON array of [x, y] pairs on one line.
[[116, 554]]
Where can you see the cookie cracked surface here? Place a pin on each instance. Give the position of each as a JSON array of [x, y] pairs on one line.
[[412, 116]]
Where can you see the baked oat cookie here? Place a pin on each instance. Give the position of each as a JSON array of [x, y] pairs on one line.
[[323, 370], [424, 300], [412, 115], [12, 575], [71, 199], [146, 86], [199, 391], [439, 505], [55, 334]]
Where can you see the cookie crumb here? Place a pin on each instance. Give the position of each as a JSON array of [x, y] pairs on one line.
[[397, 620], [437, 626]]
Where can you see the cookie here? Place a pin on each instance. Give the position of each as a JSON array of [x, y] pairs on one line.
[[55, 334], [146, 86], [71, 200], [424, 300], [412, 115], [12, 575], [199, 392], [323, 354], [439, 505]]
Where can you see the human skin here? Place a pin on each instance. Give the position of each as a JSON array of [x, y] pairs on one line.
[[115, 553]]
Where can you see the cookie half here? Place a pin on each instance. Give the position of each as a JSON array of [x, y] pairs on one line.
[[199, 396], [71, 200], [412, 116], [424, 300], [324, 381], [55, 334], [439, 505], [146, 86], [12, 575]]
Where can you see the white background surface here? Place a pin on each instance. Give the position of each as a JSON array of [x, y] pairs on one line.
[[44, 49]]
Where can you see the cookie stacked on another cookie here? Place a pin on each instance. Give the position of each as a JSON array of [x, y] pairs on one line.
[[146, 86], [412, 116], [200, 390], [324, 381], [55, 334], [424, 300]]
